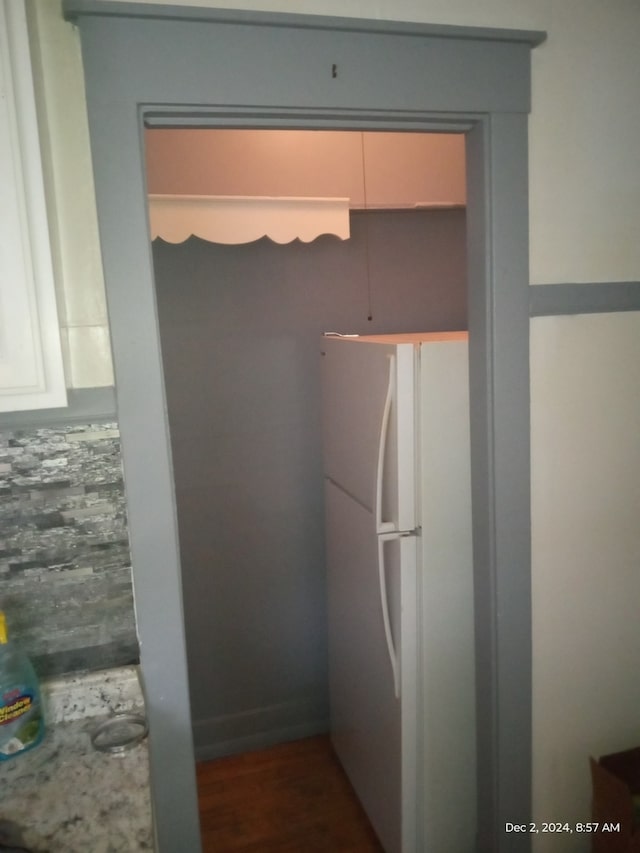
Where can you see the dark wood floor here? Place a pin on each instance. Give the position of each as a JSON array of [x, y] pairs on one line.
[[293, 798]]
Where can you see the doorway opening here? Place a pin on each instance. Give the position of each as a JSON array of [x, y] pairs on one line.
[[240, 323], [240, 327]]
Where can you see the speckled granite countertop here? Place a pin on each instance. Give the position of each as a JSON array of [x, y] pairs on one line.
[[66, 796]]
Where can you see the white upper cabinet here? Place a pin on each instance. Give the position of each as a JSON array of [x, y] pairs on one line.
[[31, 369], [372, 169]]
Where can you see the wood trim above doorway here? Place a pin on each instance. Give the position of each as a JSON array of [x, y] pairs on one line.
[[74, 9]]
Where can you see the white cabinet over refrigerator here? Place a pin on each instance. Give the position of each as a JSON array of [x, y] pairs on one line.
[[400, 583]]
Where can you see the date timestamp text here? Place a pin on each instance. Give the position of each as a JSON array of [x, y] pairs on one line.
[[560, 827]]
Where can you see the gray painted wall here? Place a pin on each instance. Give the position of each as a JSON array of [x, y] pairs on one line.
[[240, 327]]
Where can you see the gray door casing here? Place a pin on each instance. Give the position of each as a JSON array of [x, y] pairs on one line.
[[176, 66]]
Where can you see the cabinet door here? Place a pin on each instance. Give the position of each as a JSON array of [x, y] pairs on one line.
[[31, 371]]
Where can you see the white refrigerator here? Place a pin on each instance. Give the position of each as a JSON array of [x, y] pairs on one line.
[[400, 585]]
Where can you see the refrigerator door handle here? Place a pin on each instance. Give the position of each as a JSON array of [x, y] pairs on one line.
[[384, 526], [384, 600]]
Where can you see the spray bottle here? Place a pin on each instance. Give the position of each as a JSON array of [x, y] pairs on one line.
[[21, 719]]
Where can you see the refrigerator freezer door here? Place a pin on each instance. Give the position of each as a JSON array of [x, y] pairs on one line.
[[373, 731], [358, 379]]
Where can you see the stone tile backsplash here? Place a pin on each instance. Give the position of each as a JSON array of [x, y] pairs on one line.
[[65, 567]]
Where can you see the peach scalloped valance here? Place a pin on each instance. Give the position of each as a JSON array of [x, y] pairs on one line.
[[243, 219]]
